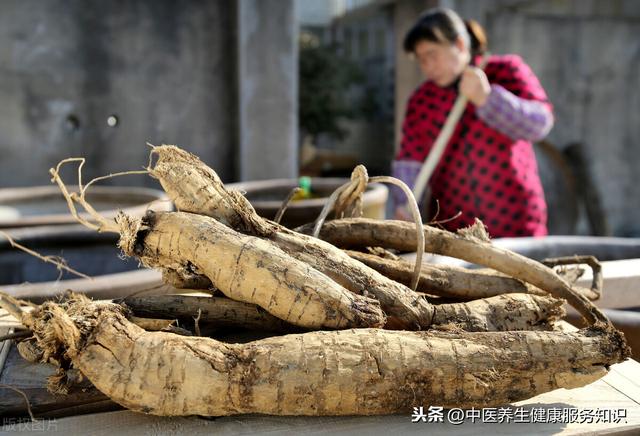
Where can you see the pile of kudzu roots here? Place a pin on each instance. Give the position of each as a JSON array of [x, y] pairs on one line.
[[353, 330]]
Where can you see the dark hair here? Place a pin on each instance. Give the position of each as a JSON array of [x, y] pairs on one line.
[[442, 25]]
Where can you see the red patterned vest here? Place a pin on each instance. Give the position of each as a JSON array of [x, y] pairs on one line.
[[483, 173]]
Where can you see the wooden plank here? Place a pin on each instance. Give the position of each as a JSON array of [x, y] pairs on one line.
[[31, 379], [625, 377], [597, 395]]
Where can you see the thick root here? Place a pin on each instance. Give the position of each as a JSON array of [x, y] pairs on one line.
[[507, 312], [350, 372], [215, 311], [247, 269], [445, 280], [400, 235], [500, 313], [196, 188]]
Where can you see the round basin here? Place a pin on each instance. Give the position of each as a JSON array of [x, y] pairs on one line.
[[45, 205], [267, 196], [91, 253], [84, 250]]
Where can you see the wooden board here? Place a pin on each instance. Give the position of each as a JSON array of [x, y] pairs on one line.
[[31, 380]]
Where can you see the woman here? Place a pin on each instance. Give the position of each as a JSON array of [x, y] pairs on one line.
[[488, 169]]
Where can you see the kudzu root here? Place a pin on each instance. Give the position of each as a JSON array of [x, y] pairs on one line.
[[247, 269], [216, 311], [506, 312], [176, 168], [348, 372], [446, 280], [244, 268], [471, 245]]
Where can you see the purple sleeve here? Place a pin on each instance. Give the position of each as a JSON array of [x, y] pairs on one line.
[[407, 171], [516, 117]]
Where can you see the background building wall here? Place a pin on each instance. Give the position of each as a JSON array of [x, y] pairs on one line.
[[161, 67], [268, 89], [165, 71]]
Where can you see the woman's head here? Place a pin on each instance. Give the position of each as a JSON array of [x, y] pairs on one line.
[[444, 44]]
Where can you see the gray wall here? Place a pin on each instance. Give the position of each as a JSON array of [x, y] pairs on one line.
[[167, 69], [162, 67], [587, 56], [268, 94]]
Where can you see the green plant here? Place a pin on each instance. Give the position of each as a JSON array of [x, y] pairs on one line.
[[325, 79]]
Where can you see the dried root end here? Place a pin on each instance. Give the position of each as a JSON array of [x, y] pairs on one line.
[[58, 382], [550, 308], [508, 312], [615, 348], [368, 314], [30, 351], [130, 229], [60, 332], [61, 329], [475, 232]]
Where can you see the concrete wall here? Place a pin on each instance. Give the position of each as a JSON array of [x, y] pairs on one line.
[[161, 67], [268, 93], [167, 70]]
